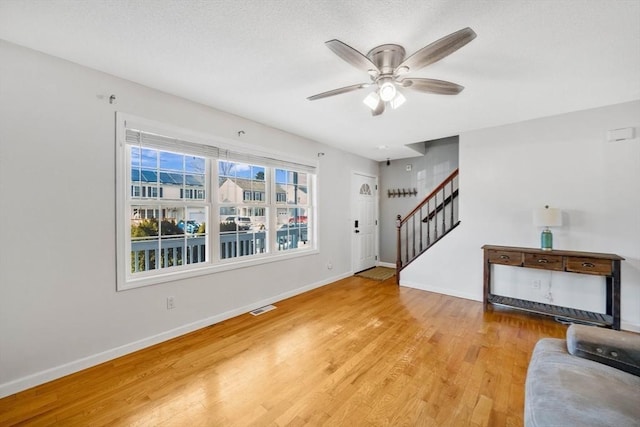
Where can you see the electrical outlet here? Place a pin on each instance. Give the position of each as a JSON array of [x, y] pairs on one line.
[[329, 265], [171, 304], [536, 284]]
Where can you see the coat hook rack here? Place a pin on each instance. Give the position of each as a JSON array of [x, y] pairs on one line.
[[402, 192]]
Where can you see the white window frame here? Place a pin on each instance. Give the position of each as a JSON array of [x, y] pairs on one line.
[[233, 151], [287, 205], [244, 203]]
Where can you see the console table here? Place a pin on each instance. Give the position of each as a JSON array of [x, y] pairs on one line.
[[607, 265]]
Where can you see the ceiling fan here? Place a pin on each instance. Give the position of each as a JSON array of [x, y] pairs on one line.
[[386, 66]]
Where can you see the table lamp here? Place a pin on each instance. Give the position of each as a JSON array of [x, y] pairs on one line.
[[547, 217]]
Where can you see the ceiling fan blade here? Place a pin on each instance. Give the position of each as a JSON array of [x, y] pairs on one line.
[[440, 87], [436, 51], [352, 56], [379, 108], [338, 91]]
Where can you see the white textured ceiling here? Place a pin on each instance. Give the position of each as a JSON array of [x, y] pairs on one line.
[[260, 59]]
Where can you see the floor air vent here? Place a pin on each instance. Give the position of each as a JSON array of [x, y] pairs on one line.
[[259, 311]]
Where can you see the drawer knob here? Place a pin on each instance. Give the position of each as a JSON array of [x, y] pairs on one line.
[[588, 264], [504, 256], [543, 261]]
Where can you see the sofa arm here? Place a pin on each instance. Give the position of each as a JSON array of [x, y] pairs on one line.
[[617, 349]]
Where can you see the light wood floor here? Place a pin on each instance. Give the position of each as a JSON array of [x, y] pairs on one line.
[[354, 353]]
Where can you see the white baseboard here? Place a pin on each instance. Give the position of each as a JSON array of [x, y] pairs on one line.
[[51, 374], [631, 327], [386, 264], [444, 291]]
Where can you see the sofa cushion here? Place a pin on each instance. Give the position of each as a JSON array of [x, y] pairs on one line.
[[565, 390], [614, 348]]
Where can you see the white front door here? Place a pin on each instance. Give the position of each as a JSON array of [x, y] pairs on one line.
[[364, 221]]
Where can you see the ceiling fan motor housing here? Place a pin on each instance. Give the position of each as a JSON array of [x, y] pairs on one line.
[[387, 57]]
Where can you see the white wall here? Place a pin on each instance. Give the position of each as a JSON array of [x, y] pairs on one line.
[[59, 309], [563, 161]]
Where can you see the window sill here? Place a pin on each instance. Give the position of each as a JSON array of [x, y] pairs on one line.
[[234, 264]]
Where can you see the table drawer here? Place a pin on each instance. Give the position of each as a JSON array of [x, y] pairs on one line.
[[505, 257], [601, 267], [547, 262]]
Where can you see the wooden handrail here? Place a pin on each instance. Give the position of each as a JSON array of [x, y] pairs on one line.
[[426, 199]]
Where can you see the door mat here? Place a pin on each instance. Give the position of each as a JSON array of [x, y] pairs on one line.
[[378, 273]]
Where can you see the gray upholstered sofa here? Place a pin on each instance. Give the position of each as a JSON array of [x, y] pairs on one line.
[[590, 379]]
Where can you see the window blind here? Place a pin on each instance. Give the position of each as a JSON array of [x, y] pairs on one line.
[[264, 161], [152, 140]]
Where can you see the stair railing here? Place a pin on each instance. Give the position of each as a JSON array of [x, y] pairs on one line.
[[427, 223]]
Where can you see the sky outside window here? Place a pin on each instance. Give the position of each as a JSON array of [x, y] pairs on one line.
[[148, 158]]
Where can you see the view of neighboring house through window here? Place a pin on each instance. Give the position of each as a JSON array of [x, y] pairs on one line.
[[167, 228], [243, 212], [259, 208], [292, 191]]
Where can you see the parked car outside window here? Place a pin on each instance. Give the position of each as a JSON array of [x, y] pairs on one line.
[[191, 227], [242, 222], [298, 220]]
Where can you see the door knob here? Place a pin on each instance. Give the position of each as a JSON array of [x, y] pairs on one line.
[[357, 231]]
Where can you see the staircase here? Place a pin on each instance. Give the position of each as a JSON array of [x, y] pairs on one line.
[[429, 222]]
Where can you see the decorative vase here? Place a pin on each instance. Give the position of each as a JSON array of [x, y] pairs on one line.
[[546, 240]]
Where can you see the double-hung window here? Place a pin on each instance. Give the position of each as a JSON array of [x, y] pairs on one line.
[[188, 207], [167, 227], [293, 208], [244, 219]]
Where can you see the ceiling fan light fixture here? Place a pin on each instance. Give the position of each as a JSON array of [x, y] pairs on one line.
[[387, 91], [372, 100], [397, 101]]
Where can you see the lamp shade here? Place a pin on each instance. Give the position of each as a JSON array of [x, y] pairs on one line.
[[372, 100], [547, 217], [397, 101], [387, 91]]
